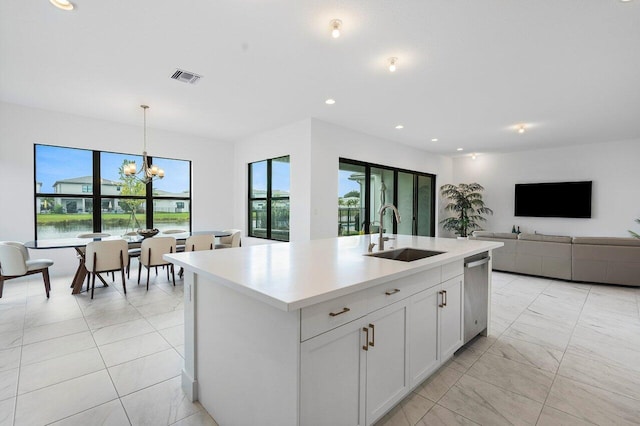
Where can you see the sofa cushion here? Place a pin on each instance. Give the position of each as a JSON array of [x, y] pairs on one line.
[[607, 241], [545, 238]]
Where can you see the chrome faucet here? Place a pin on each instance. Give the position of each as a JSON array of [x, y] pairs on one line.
[[382, 239]]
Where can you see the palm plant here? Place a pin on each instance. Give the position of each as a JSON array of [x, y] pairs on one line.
[[465, 201], [633, 234]]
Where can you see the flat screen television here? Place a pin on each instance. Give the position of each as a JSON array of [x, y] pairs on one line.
[[555, 199]]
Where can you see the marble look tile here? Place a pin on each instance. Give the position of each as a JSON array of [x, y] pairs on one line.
[[59, 346], [536, 319], [552, 417], [45, 373], [8, 383], [598, 346], [132, 348], [117, 316], [482, 343], [408, 412], [104, 306], [161, 404], [199, 419], [64, 399], [10, 339], [6, 411], [488, 404], [440, 416], [110, 414], [550, 337], [593, 404], [167, 304], [568, 291], [554, 307], [174, 335], [527, 353], [50, 315], [464, 358], [138, 299], [600, 374], [10, 358], [57, 329], [169, 319], [601, 303], [122, 331], [439, 383], [513, 376], [149, 370]]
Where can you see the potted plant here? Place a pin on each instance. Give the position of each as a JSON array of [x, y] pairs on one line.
[[633, 234], [465, 201]]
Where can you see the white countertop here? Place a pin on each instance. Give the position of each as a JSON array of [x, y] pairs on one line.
[[291, 276]]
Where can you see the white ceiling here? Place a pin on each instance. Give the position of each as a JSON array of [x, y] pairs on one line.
[[468, 70]]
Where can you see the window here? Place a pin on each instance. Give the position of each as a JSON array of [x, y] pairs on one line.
[[269, 199], [363, 188], [79, 190]]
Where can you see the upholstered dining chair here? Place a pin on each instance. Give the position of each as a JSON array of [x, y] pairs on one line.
[[106, 256], [15, 262], [198, 243], [151, 253], [179, 247], [232, 240], [81, 250]]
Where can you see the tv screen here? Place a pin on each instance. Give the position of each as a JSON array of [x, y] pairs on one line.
[[557, 199]]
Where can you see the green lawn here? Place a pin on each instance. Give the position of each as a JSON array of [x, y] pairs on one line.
[[108, 218]]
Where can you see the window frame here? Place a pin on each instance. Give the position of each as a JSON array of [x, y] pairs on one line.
[[97, 197], [268, 199], [367, 196]]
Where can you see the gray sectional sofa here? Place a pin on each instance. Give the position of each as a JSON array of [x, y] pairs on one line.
[[588, 259]]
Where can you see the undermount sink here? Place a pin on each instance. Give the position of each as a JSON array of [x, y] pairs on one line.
[[405, 254]]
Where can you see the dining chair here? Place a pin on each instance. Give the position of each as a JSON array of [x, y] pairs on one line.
[[106, 256], [232, 240], [15, 262], [179, 247], [134, 249], [151, 253], [81, 250], [198, 243]]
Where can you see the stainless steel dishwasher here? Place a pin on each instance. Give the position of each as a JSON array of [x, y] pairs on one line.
[[476, 294]]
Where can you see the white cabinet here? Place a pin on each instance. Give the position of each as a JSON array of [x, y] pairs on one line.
[[356, 367], [451, 317], [435, 327]]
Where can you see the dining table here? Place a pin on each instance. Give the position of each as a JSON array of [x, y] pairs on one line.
[[80, 243]]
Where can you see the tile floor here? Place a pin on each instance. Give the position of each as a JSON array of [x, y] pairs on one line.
[[560, 353]]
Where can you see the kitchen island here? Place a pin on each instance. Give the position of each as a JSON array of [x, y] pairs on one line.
[[319, 332]]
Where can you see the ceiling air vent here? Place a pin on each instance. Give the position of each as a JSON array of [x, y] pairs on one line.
[[186, 76]]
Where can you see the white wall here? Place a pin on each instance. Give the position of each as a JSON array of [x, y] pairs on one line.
[[613, 167], [292, 140], [21, 127]]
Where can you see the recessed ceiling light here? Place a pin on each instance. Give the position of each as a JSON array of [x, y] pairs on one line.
[[62, 4], [336, 26], [399, 126], [330, 101], [392, 64], [473, 156], [434, 140], [521, 128], [459, 149]]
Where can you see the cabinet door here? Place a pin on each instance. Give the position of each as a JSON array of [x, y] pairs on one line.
[[451, 317], [332, 377], [387, 373], [424, 355]]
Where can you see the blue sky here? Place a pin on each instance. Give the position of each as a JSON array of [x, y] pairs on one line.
[[56, 163]]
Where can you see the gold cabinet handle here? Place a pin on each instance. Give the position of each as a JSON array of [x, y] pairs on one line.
[[444, 297], [390, 292], [366, 338], [441, 304], [335, 314], [372, 343]]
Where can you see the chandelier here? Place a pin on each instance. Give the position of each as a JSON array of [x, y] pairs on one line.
[[148, 172]]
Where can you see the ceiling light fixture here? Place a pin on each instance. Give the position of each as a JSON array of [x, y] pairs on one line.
[[62, 4], [148, 172], [473, 156], [392, 64], [459, 149], [336, 26], [330, 101], [399, 126], [434, 140], [521, 128]]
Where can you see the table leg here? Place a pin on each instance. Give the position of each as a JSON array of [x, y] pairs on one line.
[[78, 279]]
